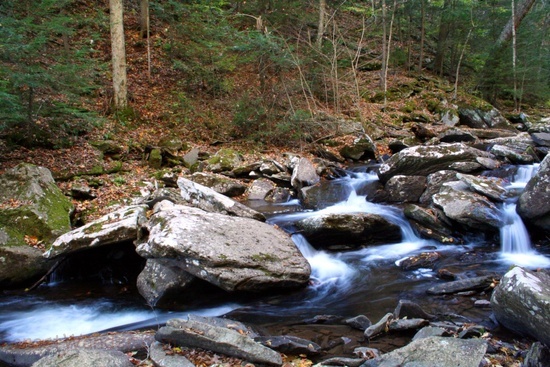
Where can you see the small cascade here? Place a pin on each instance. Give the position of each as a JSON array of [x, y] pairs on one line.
[[515, 242]]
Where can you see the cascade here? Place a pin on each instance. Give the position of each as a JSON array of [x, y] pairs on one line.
[[516, 247]]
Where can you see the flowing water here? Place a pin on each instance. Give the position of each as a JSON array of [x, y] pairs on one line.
[[367, 281]]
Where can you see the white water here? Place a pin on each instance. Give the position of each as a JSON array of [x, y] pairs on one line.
[[516, 247]]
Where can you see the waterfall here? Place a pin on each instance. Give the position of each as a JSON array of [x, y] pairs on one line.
[[515, 242]]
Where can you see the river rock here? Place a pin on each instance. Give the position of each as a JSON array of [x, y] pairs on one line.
[[422, 260], [455, 136], [304, 174], [205, 198], [161, 278], [85, 358], [537, 356], [360, 322], [423, 160], [532, 204], [475, 283], [491, 187], [428, 331], [33, 212], [468, 208], [119, 226], [160, 358], [219, 183], [434, 181], [429, 223], [541, 139], [260, 189], [407, 324], [410, 309], [521, 302], [380, 327], [434, 351], [232, 253], [324, 194], [290, 345], [402, 188], [511, 155], [483, 118], [225, 160], [361, 149], [348, 231], [198, 334]]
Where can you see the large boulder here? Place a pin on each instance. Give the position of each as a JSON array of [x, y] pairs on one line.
[[119, 226], [339, 232], [233, 253], [33, 211], [405, 188], [521, 302], [533, 202], [483, 118], [219, 183], [304, 174], [428, 224], [468, 208], [423, 160]]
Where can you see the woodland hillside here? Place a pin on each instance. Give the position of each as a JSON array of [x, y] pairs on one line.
[[260, 73]]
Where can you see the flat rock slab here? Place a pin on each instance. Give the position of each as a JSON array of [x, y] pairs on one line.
[[25, 354], [85, 358], [456, 286], [196, 334], [434, 351]]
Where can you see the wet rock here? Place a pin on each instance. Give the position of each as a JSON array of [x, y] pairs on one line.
[[475, 283], [160, 358], [429, 223], [446, 274], [434, 351], [362, 149], [232, 253], [338, 232], [483, 118], [423, 160], [468, 208], [119, 226], [410, 309], [434, 182], [219, 183], [541, 139], [405, 188], [380, 327], [209, 200], [341, 361], [304, 174], [491, 187], [366, 352], [360, 322], [532, 204], [85, 358], [482, 303], [423, 260], [197, 334], [520, 303], [512, 155], [456, 136], [290, 345], [324, 194], [161, 278]]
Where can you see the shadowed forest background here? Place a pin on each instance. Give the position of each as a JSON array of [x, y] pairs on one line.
[[278, 72]]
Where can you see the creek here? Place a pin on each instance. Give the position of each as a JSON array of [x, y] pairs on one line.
[[367, 281]]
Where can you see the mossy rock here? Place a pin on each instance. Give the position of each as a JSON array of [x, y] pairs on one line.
[[225, 160]]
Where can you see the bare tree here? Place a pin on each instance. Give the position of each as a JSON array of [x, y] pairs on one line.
[[118, 54]]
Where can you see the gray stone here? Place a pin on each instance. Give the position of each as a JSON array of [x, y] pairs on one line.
[[468, 208], [225, 160], [429, 224], [232, 253], [219, 183], [521, 302], [475, 283], [428, 331], [360, 322], [537, 356], [423, 160], [260, 189], [404, 189], [161, 278], [119, 226], [407, 324], [205, 198], [191, 158], [290, 345], [160, 358], [380, 327], [532, 204], [304, 174], [85, 358], [512, 155], [434, 181], [541, 139], [491, 187], [196, 334], [348, 231], [410, 309], [434, 351]]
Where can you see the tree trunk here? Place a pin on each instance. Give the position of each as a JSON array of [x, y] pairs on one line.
[[444, 28], [422, 33], [144, 18], [514, 22], [118, 54], [384, 45], [321, 26]]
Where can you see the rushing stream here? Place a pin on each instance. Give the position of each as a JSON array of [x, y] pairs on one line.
[[366, 281]]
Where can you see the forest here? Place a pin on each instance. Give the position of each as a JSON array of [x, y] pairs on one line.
[[264, 71]]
